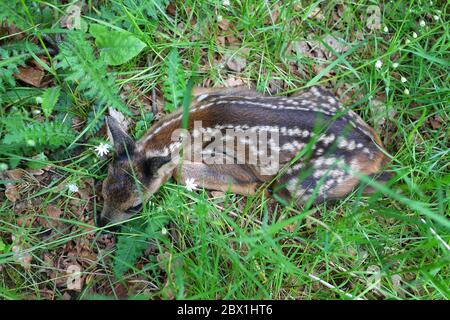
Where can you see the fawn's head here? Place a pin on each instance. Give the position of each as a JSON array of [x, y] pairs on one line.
[[132, 177]]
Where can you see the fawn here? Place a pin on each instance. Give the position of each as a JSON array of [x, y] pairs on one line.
[[331, 144]]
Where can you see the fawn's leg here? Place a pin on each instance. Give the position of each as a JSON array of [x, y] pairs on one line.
[[231, 177]]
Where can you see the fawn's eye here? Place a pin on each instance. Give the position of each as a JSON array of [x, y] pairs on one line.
[[135, 209]]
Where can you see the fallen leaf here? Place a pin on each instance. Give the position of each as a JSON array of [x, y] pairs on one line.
[[236, 63], [30, 75], [231, 39], [171, 9], [316, 14], [436, 122], [36, 172], [233, 82], [72, 20], [374, 279], [224, 24], [12, 193], [335, 42], [53, 212], [22, 257], [15, 174]]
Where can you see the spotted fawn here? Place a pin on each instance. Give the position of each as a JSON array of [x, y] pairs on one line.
[[237, 140]]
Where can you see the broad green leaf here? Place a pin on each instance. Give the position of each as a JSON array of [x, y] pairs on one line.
[[49, 99], [116, 47]]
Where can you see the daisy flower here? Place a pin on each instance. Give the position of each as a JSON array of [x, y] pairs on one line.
[[403, 79], [190, 184], [379, 64], [72, 187], [102, 149], [422, 23]]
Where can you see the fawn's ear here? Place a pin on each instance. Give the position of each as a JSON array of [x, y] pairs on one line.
[[120, 140]]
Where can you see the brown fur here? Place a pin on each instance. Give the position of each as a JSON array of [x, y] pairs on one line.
[[140, 168]]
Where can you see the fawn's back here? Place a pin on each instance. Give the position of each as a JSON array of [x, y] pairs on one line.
[[306, 145]]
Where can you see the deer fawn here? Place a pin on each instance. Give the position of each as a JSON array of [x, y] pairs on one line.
[[246, 139]]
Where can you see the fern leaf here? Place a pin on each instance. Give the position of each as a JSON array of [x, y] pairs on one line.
[[12, 11], [31, 137], [174, 83], [49, 99], [77, 57], [129, 248], [12, 56]]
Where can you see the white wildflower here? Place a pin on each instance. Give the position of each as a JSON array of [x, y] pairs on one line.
[[406, 92], [190, 184], [226, 3], [422, 23], [379, 64], [386, 29], [407, 41], [436, 17], [39, 100], [163, 231], [414, 35], [102, 149], [395, 65], [72, 187], [403, 79]]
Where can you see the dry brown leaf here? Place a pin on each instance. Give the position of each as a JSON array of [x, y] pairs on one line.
[[15, 174], [436, 122], [35, 172], [53, 212], [224, 24], [233, 82], [12, 193], [335, 42], [21, 256], [73, 18], [171, 9], [30, 75], [232, 40], [316, 14], [221, 40], [236, 63]]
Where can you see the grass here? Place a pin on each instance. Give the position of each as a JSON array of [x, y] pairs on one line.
[[392, 245]]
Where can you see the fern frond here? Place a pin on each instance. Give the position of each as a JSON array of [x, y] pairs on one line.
[[174, 82], [33, 137], [13, 12], [12, 56], [77, 58], [130, 246], [134, 240]]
